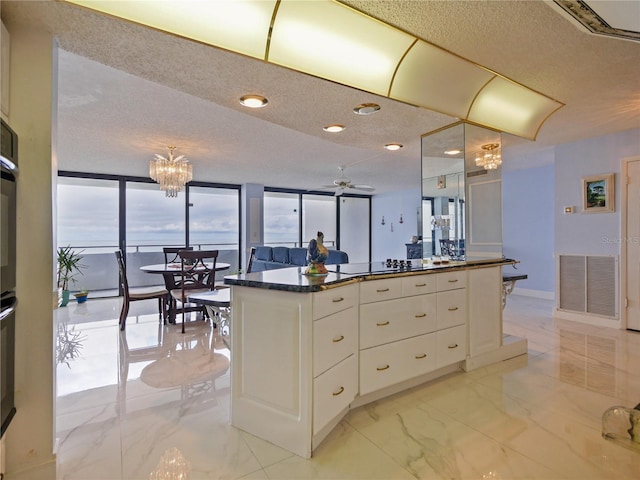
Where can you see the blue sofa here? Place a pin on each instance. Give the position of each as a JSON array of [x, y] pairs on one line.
[[270, 258]]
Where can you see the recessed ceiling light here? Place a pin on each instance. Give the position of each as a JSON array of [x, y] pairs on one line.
[[453, 151], [366, 108], [393, 146], [253, 101], [335, 128]]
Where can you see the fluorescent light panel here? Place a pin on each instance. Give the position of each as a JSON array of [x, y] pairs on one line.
[[329, 40]]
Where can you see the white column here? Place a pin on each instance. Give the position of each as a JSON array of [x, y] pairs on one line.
[[30, 437]]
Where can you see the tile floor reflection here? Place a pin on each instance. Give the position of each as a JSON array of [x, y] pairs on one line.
[[133, 405]]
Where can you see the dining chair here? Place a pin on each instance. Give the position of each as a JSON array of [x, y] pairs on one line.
[[252, 254], [219, 306], [197, 275], [171, 253], [138, 294], [171, 256]]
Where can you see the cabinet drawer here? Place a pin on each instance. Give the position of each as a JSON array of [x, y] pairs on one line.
[[385, 322], [333, 300], [334, 338], [452, 280], [333, 391], [418, 284], [452, 345], [378, 290], [389, 364], [420, 354], [452, 308], [380, 367]]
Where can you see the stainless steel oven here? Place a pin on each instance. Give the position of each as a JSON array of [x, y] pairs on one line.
[[7, 356], [8, 300]]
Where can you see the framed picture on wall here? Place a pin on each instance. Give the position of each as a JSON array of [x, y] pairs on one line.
[[598, 193]]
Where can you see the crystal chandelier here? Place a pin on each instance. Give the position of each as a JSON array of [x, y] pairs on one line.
[[490, 157], [171, 173]]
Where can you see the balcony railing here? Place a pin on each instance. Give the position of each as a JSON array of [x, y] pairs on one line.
[[101, 275]]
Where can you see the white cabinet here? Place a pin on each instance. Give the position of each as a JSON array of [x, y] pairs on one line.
[[300, 359], [378, 290], [334, 300], [452, 345], [395, 362], [333, 391], [410, 326], [452, 308], [294, 362], [391, 320], [485, 310], [334, 338]]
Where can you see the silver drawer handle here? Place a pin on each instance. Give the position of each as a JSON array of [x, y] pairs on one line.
[[453, 345], [453, 281], [421, 315], [418, 357], [382, 368], [339, 339], [453, 309], [420, 284], [340, 390], [382, 324], [336, 300], [380, 290]]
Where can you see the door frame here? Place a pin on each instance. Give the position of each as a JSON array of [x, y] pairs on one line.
[[623, 231]]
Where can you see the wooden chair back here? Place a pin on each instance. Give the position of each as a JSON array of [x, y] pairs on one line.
[[198, 270], [124, 283], [171, 253], [252, 254]]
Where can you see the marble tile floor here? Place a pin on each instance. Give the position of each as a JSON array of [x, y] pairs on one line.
[[130, 403]]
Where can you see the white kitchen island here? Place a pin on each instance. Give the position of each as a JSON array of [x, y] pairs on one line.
[[304, 350]]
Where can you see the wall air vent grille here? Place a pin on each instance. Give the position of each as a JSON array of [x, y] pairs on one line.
[[588, 284]]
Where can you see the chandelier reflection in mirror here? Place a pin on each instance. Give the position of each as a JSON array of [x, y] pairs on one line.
[[490, 157], [171, 173]]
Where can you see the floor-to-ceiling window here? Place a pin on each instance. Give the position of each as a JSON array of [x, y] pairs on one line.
[[214, 222], [87, 220], [319, 215], [135, 215], [292, 218], [355, 224], [281, 219]]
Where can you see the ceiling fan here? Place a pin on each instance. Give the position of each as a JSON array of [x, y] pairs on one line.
[[342, 183]]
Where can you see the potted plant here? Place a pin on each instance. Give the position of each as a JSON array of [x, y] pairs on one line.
[[82, 295], [69, 267]]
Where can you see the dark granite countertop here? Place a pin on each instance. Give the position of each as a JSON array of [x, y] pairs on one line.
[[293, 279]]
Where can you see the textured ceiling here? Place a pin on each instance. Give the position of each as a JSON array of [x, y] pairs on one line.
[[125, 92]]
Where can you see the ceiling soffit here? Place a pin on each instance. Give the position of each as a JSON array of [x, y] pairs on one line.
[[329, 40], [582, 12]]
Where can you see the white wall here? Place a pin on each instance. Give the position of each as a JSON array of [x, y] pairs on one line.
[[587, 233], [388, 243], [29, 438], [577, 233]]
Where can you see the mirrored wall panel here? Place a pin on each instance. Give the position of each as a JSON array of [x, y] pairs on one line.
[[462, 193]]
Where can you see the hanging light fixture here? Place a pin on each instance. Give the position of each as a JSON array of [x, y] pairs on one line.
[[171, 173], [489, 158]]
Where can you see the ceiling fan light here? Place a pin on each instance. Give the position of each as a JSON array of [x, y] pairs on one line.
[[393, 146], [334, 128], [253, 101]]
